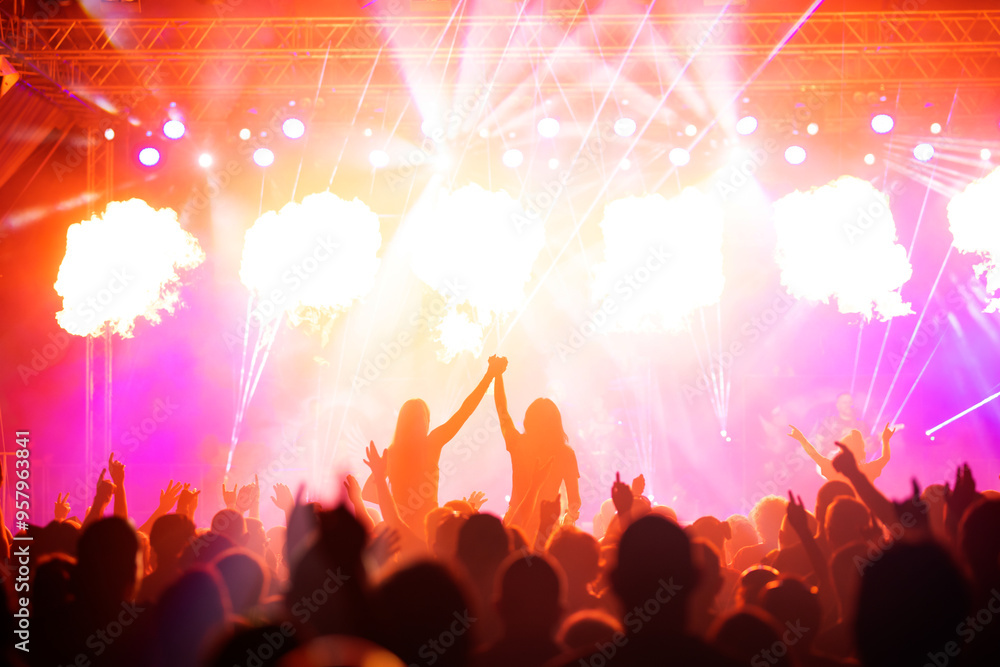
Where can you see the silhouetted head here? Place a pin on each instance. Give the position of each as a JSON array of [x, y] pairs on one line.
[[912, 602], [827, 494], [246, 578], [795, 606], [445, 542], [744, 636], [413, 423], [483, 543], [767, 515], [52, 588], [191, 615], [743, 535], [231, 525], [577, 552], [434, 519], [847, 520], [654, 563], [543, 422], [529, 595], [419, 604], [846, 566], [711, 529], [169, 535], [979, 541], [588, 630], [752, 583], [106, 569]]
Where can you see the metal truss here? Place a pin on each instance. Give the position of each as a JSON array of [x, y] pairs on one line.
[[209, 63]]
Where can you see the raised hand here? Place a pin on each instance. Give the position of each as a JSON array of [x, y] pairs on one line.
[[384, 544], [963, 495], [248, 496], [229, 497], [117, 470], [187, 503], [887, 433], [282, 498], [916, 509], [105, 489], [497, 365], [621, 495], [169, 496], [550, 511], [796, 434], [798, 518], [353, 489], [476, 499], [638, 485], [844, 462], [62, 507], [378, 464]]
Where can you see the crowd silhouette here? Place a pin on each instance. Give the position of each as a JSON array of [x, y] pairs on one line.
[[859, 579]]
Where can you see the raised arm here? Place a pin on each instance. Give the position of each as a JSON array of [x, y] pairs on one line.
[[878, 464], [390, 512], [168, 497], [820, 460], [117, 471], [881, 507], [440, 436], [102, 496], [360, 511], [500, 400]]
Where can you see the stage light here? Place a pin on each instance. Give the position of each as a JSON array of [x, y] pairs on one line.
[[679, 157], [923, 152], [483, 132], [109, 134], [513, 158], [624, 127], [293, 128], [870, 159], [244, 134], [149, 156], [263, 157], [985, 154], [935, 128], [625, 164], [205, 160], [378, 158], [723, 433], [883, 123], [690, 130], [548, 127], [553, 163], [812, 128], [368, 132], [173, 129], [795, 155], [746, 125], [963, 413]]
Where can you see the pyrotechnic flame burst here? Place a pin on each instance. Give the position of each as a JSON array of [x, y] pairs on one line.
[[839, 241], [122, 265], [662, 260], [311, 260], [475, 248], [975, 225]]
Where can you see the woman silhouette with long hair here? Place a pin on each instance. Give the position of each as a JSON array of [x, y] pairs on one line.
[[415, 450], [541, 459]]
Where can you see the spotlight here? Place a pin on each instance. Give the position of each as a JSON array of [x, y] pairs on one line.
[[263, 157], [679, 157], [723, 433], [205, 160], [548, 127], [625, 164], [812, 129], [513, 158], [870, 159], [935, 128], [883, 123], [109, 134], [985, 154], [149, 156], [746, 125], [368, 132], [245, 134], [624, 127], [923, 152], [173, 129], [690, 130], [483, 132], [378, 158], [553, 163], [795, 154], [293, 128]]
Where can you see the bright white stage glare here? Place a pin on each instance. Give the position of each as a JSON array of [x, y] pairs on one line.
[[923, 152], [812, 128], [553, 163], [378, 158], [625, 164], [795, 155], [173, 129], [985, 154], [690, 130], [723, 433], [205, 160], [935, 128], [368, 132], [513, 158], [972, 220], [483, 132], [746, 125], [870, 159], [245, 134], [548, 127], [263, 157], [679, 157], [149, 156], [624, 127], [293, 128], [883, 123], [109, 134]]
